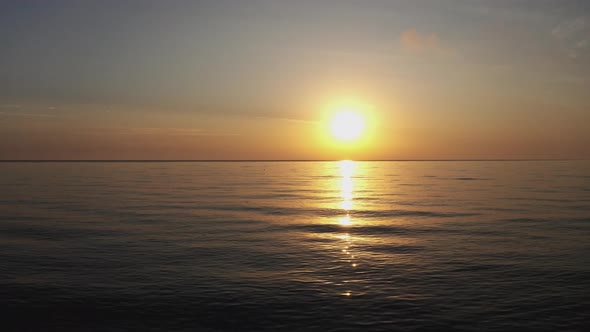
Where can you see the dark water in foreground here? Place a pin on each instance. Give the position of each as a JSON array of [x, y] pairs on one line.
[[294, 246]]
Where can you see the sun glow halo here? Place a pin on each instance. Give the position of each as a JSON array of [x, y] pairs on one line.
[[347, 125]]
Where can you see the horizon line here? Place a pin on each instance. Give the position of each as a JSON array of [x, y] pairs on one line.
[[265, 160]]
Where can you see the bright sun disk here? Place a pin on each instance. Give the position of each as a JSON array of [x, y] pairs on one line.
[[347, 125]]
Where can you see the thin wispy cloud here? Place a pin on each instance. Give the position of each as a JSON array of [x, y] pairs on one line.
[[27, 114], [176, 132], [292, 120], [573, 35], [568, 28], [19, 110], [413, 41]]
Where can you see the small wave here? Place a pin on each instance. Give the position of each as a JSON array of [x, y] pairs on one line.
[[574, 176], [394, 248], [466, 178], [481, 267], [378, 230], [471, 179], [315, 228], [533, 199], [410, 213], [544, 220], [286, 211], [369, 230]]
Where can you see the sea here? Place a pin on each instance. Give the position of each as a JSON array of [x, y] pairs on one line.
[[295, 246]]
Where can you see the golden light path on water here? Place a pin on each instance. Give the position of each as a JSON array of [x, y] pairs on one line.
[[347, 168]]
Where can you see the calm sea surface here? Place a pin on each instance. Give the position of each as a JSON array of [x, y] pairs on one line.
[[295, 246]]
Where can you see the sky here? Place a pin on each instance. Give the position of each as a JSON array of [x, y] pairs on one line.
[[257, 79]]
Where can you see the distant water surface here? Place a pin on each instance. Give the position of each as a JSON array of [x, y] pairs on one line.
[[295, 246]]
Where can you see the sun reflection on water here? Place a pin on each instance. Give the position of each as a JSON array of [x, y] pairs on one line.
[[345, 221], [346, 172], [347, 168]]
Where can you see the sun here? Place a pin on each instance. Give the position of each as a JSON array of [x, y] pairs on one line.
[[347, 125]]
